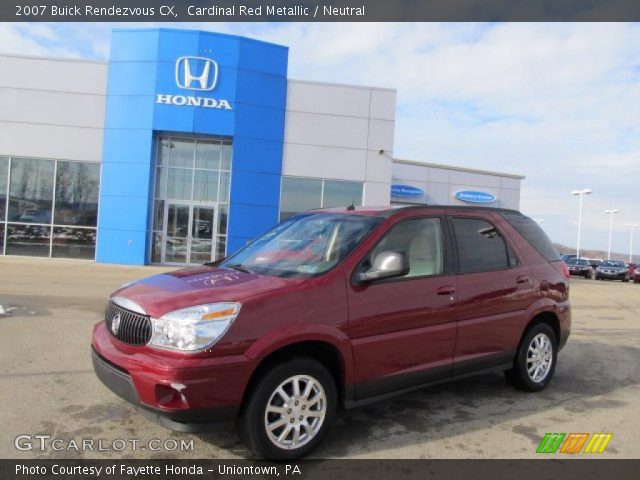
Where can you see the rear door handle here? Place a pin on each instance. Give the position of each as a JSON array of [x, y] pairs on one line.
[[523, 279], [447, 290]]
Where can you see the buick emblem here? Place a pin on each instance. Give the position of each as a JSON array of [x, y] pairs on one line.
[[115, 324]]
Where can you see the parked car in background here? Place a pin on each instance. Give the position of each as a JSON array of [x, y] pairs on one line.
[[580, 267], [612, 270], [636, 276], [632, 269], [594, 262], [337, 307], [567, 256]]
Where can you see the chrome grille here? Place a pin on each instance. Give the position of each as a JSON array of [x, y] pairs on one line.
[[134, 328]]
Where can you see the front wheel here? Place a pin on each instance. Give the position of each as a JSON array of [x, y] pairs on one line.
[[535, 360], [289, 410]]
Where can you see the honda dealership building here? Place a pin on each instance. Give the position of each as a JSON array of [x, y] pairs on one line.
[[186, 145]]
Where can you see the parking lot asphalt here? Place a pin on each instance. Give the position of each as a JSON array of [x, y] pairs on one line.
[[48, 385]]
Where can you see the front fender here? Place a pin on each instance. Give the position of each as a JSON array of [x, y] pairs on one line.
[[303, 332]]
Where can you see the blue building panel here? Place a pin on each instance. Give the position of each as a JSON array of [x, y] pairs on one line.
[[131, 78], [257, 155], [260, 122], [134, 45], [139, 146], [150, 91], [249, 221], [129, 112], [261, 89], [254, 188], [127, 247]]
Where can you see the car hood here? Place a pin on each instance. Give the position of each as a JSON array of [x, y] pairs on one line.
[[620, 269], [163, 293]]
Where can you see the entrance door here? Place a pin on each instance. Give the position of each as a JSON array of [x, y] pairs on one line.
[[189, 233]]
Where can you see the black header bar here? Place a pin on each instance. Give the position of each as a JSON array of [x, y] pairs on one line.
[[319, 10]]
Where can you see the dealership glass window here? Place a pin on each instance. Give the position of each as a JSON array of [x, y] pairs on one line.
[[41, 196], [192, 175], [339, 193], [70, 242], [481, 247], [76, 193], [31, 190], [4, 178], [300, 194], [30, 240]]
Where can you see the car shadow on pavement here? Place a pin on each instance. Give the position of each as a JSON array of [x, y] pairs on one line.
[[588, 375]]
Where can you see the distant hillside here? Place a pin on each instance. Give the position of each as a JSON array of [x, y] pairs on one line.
[[596, 253]]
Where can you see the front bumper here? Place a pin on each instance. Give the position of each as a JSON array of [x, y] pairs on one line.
[[614, 276], [179, 392], [582, 273]]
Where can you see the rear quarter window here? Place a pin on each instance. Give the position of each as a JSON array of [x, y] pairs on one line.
[[532, 232]]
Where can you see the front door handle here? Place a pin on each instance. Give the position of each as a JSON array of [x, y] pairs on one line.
[[523, 279], [447, 290]]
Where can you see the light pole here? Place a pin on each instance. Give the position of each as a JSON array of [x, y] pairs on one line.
[[580, 193], [632, 226], [611, 212]]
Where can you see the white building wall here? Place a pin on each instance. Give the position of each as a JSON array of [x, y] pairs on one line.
[[441, 183], [336, 132], [52, 108]]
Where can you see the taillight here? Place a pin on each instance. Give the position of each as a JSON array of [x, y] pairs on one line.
[[565, 271]]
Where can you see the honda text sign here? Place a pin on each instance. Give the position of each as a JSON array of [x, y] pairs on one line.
[[198, 74]]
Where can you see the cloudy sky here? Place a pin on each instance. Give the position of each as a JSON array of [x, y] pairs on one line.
[[558, 103]]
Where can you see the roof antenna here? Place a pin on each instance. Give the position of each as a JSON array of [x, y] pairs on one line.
[[352, 206]]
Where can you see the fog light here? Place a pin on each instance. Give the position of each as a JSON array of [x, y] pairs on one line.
[[171, 396]]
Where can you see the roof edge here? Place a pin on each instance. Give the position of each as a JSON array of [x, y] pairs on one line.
[[458, 169]]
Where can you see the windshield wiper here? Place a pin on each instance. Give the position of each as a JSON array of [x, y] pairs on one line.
[[239, 267]]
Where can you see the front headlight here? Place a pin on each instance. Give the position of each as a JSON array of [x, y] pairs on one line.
[[193, 328]]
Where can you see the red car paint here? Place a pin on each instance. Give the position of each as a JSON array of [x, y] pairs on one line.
[[440, 326]]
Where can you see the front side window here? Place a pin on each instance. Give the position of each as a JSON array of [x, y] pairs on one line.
[[481, 247], [420, 241], [304, 245]]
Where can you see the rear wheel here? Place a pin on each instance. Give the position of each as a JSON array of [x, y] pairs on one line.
[[535, 360], [289, 410]]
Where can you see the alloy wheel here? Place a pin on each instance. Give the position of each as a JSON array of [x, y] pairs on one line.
[[539, 357], [295, 412]]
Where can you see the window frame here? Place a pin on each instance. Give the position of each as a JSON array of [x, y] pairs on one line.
[[448, 265], [454, 242]]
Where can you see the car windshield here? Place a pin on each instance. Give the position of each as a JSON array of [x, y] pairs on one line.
[[575, 261], [612, 263], [304, 245]]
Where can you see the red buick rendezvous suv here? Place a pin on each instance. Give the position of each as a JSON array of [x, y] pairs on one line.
[[337, 307]]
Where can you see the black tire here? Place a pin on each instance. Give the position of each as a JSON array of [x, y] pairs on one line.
[[518, 375], [251, 422]]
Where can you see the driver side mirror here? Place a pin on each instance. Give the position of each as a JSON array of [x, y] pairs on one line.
[[386, 264]]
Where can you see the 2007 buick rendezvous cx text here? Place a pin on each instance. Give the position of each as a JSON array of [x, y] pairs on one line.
[[337, 307]]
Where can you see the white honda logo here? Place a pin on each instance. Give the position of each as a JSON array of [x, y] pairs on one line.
[[115, 324], [196, 73]]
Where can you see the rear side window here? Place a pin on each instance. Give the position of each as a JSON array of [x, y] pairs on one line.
[[481, 248], [532, 232]]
